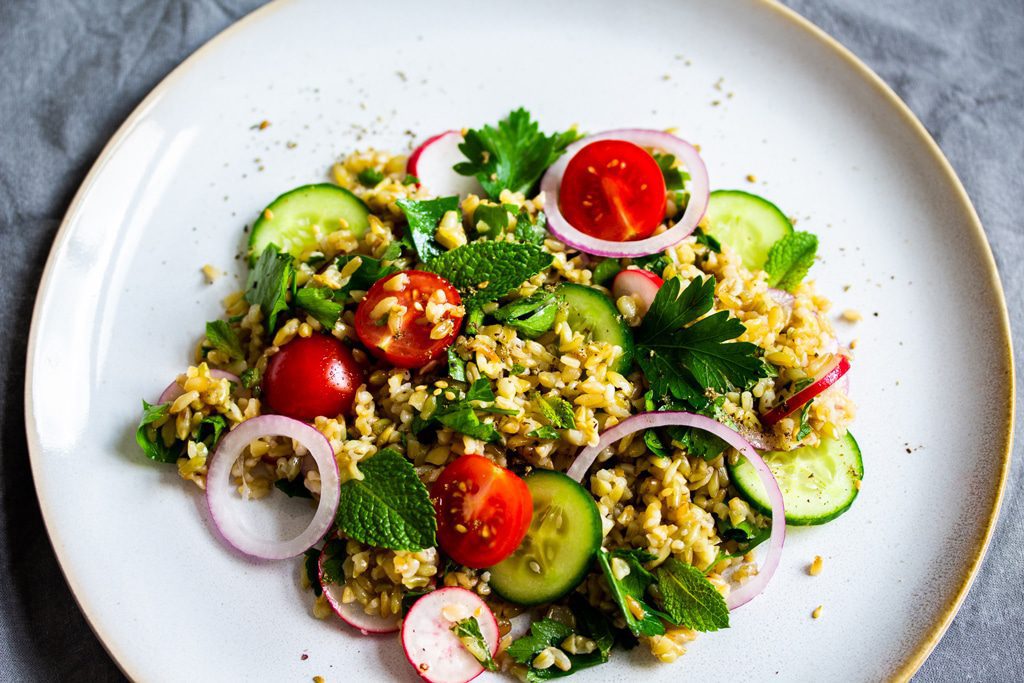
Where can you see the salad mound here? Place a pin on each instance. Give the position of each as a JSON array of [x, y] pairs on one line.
[[548, 394]]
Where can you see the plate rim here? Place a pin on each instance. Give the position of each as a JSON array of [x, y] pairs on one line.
[[915, 657]]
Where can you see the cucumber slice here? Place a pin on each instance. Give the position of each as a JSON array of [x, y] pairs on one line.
[[564, 534], [818, 483], [747, 223], [595, 315], [289, 220]]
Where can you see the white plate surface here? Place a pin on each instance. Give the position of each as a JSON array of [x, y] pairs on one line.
[[123, 301]]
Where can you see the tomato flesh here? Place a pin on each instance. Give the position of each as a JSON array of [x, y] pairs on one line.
[[483, 511], [409, 344], [311, 376], [613, 190]]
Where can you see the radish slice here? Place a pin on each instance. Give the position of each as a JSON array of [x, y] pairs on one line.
[[794, 403], [174, 390], [221, 494], [654, 139], [641, 284], [643, 421], [435, 652], [433, 161], [352, 613]]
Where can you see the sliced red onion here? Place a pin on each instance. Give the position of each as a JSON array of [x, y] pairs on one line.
[[220, 490], [652, 420], [699, 189], [174, 390]]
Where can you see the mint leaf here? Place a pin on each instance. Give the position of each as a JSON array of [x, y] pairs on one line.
[[269, 282], [557, 411], [606, 270], [789, 259], [389, 507], [250, 378], [456, 366], [531, 316], [672, 174], [487, 271], [512, 156], [689, 599], [703, 348], [490, 219], [224, 339], [468, 633], [545, 432], [320, 304], [544, 633], [531, 230], [153, 446], [424, 217], [631, 589], [463, 419]]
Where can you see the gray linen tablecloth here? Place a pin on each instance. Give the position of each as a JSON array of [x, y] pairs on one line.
[[72, 70]]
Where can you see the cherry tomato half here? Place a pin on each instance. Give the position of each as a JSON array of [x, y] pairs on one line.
[[414, 341], [613, 190], [483, 511], [311, 376]]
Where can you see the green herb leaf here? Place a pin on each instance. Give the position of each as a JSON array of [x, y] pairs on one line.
[[480, 391], [606, 270], [531, 230], [512, 156], [709, 241], [632, 588], [703, 348], [789, 259], [487, 271], [268, 284], [655, 263], [224, 339], [557, 411], [310, 565], [456, 366], [490, 219], [389, 507], [334, 562], [805, 424], [370, 269], [532, 316], [250, 378], [672, 174], [689, 599], [210, 429], [319, 303], [293, 488], [424, 216], [410, 180], [543, 634], [463, 419], [468, 633], [745, 532], [369, 177], [153, 445], [545, 432]]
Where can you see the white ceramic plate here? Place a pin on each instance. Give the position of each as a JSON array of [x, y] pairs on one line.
[[123, 301]]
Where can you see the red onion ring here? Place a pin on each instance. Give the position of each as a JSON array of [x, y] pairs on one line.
[[174, 389], [650, 420], [220, 490], [699, 189]]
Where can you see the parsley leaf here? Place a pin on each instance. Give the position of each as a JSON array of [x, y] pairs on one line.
[[631, 589], [152, 444], [310, 565], [460, 414], [424, 216], [689, 599], [490, 219], [319, 303], [789, 259], [543, 634], [531, 230], [370, 269], [512, 156], [250, 378], [590, 623], [703, 348], [456, 366], [557, 411], [389, 507], [224, 339], [269, 282], [805, 424], [487, 271], [468, 633], [531, 316], [334, 562]]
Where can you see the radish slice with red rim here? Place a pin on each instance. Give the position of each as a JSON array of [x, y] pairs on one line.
[[434, 651], [433, 165], [642, 285], [651, 420], [835, 371], [221, 493], [698, 188], [332, 580], [174, 389]]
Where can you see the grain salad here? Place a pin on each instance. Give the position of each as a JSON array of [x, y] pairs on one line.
[[548, 395]]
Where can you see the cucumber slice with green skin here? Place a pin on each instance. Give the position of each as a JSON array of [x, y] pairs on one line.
[[595, 315], [289, 220], [818, 483], [564, 534], [747, 223]]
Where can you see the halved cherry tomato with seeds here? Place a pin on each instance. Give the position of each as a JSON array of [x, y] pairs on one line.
[[483, 511], [409, 318], [613, 190]]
